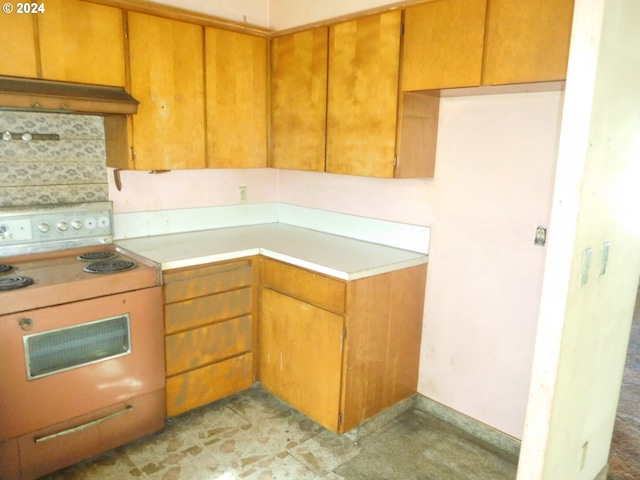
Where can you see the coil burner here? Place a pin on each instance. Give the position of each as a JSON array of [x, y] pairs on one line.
[[4, 268], [98, 255], [12, 283], [109, 266]]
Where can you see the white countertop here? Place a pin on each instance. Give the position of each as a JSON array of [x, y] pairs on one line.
[[333, 255]]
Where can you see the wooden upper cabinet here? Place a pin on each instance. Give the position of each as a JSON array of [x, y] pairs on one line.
[[167, 77], [82, 42], [443, 44], [299, 99], [236, 86], [527, 41], [364, 57], [18, 52]]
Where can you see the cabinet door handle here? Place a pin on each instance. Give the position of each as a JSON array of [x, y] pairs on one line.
[[84, 426]]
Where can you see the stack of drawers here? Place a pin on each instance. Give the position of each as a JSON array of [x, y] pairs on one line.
[[208, 333]]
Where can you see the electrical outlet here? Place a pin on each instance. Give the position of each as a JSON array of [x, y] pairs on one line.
[[541, 236], [243, 191]]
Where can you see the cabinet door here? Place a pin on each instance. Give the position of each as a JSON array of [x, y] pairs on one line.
[[167, 77], [299, 99], [443, 44], [82, 42], [364, 57], [527, 41], [301, 356], [236, 76], [18, 51]]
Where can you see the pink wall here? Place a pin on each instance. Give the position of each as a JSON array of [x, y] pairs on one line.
[[493, 185], [405, 201], [142, 192]]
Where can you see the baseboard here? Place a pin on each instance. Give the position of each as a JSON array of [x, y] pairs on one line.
[[500, 440], [381, 419], [602, 475]]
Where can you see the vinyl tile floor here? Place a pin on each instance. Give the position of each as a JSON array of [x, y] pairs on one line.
[[253, 435]]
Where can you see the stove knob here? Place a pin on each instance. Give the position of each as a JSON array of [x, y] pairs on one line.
[[90, 223], [104, 222], [43, 227], [25, 324], [76, 224], [62, 225]]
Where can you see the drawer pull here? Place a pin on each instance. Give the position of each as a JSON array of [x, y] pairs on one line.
[[84, 426]]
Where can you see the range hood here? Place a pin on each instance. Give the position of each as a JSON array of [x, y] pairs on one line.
[[17, 93]]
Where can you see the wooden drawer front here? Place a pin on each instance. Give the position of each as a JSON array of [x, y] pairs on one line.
[[203, 310], [305, 285], [207, 384], [201, 346], [210, 281]]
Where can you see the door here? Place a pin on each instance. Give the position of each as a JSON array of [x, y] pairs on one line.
[[364, 58], [527, 41], [443, 45], [167, 77], [18, 52], [299, 99], [82, 42], [236, 84], [301, 355]]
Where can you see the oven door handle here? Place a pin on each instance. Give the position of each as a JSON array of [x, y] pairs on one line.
[[84, 426]]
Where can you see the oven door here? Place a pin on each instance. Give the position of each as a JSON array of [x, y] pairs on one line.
[[68, 360]]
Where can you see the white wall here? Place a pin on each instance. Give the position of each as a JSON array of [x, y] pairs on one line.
[[255, 12], [584, 326], [292, 13]]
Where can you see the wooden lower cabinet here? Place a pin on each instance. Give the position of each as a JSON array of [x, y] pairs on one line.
[[301, 355], [340, 352], [209, 333]]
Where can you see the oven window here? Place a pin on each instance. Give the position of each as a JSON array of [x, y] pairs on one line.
[[71, 347]]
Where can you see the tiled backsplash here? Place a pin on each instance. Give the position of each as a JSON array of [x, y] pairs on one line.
[[44, 172]]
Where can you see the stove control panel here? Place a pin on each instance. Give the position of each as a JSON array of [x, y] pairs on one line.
[[56, 226], [15, 229]]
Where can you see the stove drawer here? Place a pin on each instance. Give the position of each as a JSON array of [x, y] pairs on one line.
[[57, 446]]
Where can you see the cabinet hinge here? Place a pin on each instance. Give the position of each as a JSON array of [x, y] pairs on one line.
[[395, 161], [339, 418], [402, 28]]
